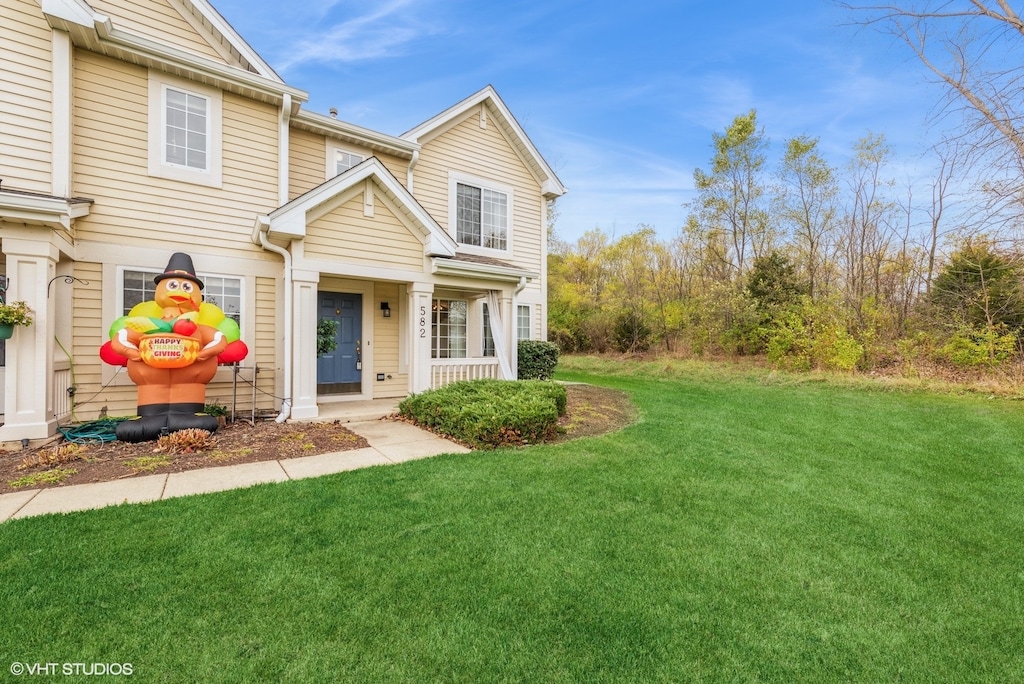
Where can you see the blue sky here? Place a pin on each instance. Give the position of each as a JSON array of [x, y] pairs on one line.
[[621, 98]]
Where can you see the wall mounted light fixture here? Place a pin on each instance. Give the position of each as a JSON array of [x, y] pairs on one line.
[[385, 309]]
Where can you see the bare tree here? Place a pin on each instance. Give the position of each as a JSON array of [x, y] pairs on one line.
[[974, 49]]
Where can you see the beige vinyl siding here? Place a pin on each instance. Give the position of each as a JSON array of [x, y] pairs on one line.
[[307, 162], [385, 341], [344, 234], [264, 348], [131, 207], [26, 101], [487, 154], [89, 331], [399, 168], [158, 20]]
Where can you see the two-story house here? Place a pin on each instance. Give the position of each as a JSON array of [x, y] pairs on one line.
[[132, 129]]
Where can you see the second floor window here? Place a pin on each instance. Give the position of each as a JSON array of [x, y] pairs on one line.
[[481, 217], [186, 129]]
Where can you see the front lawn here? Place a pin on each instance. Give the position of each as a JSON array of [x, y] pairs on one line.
[[748, 528]]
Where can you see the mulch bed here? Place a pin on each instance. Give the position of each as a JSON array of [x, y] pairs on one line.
[[590, 411]]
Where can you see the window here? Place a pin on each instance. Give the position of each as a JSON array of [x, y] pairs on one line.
[[448, 329], [480, 214], [482, 217], [137, 286], [524, 322], [488, 335], [184, 130], [343, 161]]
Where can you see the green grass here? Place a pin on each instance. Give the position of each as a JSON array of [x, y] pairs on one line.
[[748, 528]]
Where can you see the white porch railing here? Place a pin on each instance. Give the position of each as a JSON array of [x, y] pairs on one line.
[[61, 399], [444, 371]]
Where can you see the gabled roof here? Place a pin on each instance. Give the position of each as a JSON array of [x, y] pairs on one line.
[[251, 77], [290, 220], [550, 185]]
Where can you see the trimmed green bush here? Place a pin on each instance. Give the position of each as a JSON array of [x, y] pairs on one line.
[[537, 360], [490, 413]]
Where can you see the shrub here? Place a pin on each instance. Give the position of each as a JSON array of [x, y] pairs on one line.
[[971, 346], [537, 360], [184, 441], [632, 334], [490, 413]]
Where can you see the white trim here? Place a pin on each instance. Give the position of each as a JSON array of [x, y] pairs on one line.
[[61, 93], [457, 177], [464, 269], [550, 185], [335, 129], [31, 208], [158, 166], [290, 220]]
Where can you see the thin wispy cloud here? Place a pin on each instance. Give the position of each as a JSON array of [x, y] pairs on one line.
[[381, 33]]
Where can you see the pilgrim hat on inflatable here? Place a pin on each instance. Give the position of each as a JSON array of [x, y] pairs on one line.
[[179, 266]]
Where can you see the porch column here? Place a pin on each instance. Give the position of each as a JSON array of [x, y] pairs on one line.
[[28, 391], [303, 331], [420, 301]]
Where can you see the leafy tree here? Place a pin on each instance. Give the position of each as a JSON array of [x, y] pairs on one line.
[[981, 287], [807, 206], [731, 197], [772, 282]]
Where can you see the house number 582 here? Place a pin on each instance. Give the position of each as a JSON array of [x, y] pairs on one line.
[[423, 321]]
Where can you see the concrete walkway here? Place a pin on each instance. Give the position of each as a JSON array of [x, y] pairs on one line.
[[390, 442]]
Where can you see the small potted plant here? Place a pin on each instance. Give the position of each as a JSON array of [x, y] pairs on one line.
[[15, 313]]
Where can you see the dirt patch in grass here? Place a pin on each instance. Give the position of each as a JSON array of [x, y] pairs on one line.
[[590, 411]]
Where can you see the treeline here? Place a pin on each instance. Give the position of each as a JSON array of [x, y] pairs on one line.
[[812, 266]]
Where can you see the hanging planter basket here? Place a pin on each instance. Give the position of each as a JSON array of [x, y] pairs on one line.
[[15, 313]]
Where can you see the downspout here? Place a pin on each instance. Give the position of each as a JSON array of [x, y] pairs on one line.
[[412, 165], [513, 325], [259, 236], [283, 150]]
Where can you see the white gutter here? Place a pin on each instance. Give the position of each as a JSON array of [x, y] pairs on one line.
[[259, 236]]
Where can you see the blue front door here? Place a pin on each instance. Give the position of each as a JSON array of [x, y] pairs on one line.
[[339, 370]]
